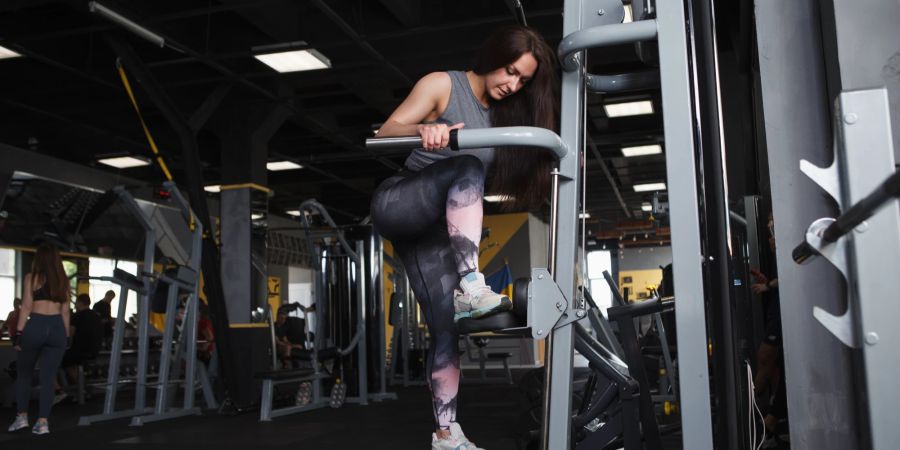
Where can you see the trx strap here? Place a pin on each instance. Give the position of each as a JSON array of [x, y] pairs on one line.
[[153, 147]]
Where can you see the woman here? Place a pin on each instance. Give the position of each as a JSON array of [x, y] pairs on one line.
[[41, 333], [432, 210]]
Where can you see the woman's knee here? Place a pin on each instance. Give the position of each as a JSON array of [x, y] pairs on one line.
[[468, 166]]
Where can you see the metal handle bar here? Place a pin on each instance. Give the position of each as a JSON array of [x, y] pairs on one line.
[[482, 137], [602, 36]]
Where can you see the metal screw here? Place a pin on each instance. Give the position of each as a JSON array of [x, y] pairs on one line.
[[872, 338], [850, 118], [862, 227], [540, 332], [601, 12], [712, 258], [540, 276], [579, 313], [558, 305]]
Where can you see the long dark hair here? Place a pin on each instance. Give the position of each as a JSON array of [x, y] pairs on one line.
[[522, 173], [47, 269]]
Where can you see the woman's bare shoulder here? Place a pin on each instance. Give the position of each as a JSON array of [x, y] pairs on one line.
[[436, 82]]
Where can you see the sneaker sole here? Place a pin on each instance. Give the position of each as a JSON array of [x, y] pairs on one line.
[[504, 305]]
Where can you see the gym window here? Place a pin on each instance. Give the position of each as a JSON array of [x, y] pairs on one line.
[[7, 280], [102, 267], [597, 262]]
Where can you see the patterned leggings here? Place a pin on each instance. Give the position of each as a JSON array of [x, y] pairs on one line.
[[433, 218]]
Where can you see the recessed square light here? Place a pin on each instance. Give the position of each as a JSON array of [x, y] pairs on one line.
[[629, 108], [213, 188], [295, 60], [256, 216], [584, 215], [646, 207], [7, 53], [647, 187], [125, 162], [642, 150], [276, 166]]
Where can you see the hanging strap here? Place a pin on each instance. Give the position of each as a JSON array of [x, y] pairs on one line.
[[150, 140]]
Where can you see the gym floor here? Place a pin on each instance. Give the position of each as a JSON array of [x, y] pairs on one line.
[[489, 414]]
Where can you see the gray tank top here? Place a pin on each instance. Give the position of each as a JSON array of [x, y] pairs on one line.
[[462, 107]]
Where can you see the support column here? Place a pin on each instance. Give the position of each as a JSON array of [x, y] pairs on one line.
[[244, 206]]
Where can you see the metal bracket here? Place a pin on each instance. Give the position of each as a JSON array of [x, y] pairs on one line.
[[546, 303], [602, 12], [828, 178], [836, 253]]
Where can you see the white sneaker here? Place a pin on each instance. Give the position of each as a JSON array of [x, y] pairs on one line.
[[456, 441], [475, 299], [40, 428], [20, 423]]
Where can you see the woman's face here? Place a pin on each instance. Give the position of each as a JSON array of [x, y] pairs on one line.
[[505, 81]]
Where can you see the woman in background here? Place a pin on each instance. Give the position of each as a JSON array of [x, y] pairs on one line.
[[41, 334]]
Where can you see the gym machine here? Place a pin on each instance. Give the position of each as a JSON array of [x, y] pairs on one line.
[[364, 331], [548, 298], [142, 285], [407, 340], [348, 301], [173, 351]]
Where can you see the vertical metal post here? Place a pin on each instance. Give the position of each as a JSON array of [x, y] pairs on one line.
[[687, 256], [189, 334], [559, 357], [405, 331], [165, 353], [377, 265], [140, 395], [361, 321], [554, 220], [874, 256], [192, 316], [115, 358]]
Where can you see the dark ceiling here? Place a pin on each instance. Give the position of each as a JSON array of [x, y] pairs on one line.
[[63, 97]]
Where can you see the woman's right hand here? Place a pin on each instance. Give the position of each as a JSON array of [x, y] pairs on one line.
[[436, 136]]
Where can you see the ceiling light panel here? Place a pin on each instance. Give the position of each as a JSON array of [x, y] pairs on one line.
[[7, 53], [629, 108], [295, 61], [125, 162], [641, 150], [276, 166], [648, 187]]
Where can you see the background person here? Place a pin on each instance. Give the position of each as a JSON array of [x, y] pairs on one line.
[[41, 334]]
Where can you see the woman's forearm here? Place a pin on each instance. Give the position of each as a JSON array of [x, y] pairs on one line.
[[393, 129], [24, 312]]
